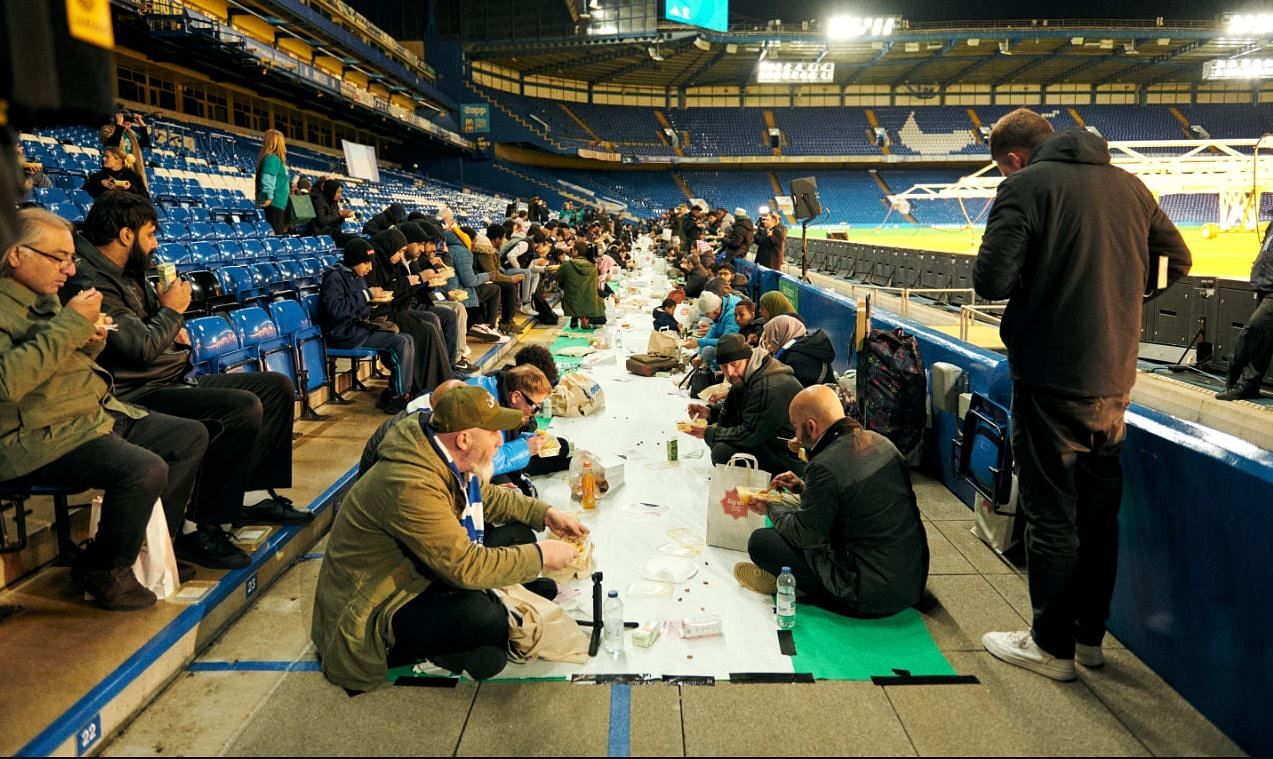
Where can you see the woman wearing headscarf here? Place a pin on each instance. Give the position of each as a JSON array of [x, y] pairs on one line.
[[774, 303], [432, 360], [328, 215], [809, 354]]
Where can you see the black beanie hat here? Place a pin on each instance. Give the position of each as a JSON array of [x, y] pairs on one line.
[[357, 251], [389, 241], [732, 347], [413, 231]]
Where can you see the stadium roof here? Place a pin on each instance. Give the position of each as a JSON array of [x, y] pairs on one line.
[[918, 54]]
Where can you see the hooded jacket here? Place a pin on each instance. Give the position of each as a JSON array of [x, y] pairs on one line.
[[394, 214], [754, 413], [344, 312], [385, 275], [514, 454], [810, 357], [1069, 243], [858, 524], [725, 323], [397, 531], [737, 241], [578, 280]]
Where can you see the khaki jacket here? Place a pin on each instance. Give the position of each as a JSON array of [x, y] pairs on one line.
[[402, 518], [53, 396]]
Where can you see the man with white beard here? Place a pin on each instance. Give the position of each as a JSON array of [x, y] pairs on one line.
[[410, 563]]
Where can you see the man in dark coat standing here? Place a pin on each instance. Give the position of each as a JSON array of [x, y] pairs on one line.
[[1073, 243], [1254, 348]]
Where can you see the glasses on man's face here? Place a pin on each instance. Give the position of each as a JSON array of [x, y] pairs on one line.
[[62, 261]]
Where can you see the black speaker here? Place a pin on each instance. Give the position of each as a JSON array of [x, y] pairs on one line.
[[804, 193]]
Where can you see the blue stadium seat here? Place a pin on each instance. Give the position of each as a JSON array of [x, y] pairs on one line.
[[256, 330], [173, 231], [307, 347], [253, 251], [197, 214], [355, 355], [238, 281], [215, 347], [50, 196], [328, 243], [169, 253], [263, 229], [72, 212], [201, 230], [223, 231], [203, 255], [179, 213], [232, 252]]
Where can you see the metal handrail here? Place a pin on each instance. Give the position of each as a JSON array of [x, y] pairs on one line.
[[968, 315], [905, 293]]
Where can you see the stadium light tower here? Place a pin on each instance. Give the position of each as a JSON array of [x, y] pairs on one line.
[[840, 28]]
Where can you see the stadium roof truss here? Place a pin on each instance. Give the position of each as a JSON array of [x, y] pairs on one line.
[[992, 53], [1234, 170]]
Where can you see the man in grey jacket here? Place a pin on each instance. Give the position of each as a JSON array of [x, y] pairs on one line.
[[1073, 243], [850, 529]]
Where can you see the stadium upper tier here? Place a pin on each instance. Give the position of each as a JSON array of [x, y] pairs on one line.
[[939, 132]]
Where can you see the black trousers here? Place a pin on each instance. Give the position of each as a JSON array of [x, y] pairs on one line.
[[155, 457], [277, 217], [432, 358], [1254, 349], [508, 300], [462, 630], [249, 421], [486, 310], [551, 464], [1070, 485]]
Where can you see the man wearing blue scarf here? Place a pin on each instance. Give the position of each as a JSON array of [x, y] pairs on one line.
[[411, 561]]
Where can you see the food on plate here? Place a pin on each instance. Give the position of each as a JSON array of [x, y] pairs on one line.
[[691, 425]]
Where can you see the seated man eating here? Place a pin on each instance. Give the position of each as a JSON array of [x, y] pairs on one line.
[[853, 539], [752, 419], [410, 562]]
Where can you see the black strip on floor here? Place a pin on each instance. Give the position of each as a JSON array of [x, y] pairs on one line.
[[689, 680], [926, 680], [748, 678], [616, 679]]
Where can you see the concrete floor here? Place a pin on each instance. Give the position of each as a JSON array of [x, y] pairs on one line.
[[1123, 709]]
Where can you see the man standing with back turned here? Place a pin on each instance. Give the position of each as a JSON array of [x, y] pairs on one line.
[[1071, 242]]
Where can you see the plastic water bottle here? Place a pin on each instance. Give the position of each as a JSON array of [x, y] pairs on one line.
[[612, 624], [786, 599]]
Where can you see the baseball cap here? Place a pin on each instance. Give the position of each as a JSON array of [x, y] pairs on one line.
[[467, 407]]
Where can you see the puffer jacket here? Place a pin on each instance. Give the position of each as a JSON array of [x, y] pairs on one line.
[[344, 312], [578, 280], [397, 530], [810, 357], [514, 454]]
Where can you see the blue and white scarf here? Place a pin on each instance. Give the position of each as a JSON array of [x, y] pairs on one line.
[[472, 517]]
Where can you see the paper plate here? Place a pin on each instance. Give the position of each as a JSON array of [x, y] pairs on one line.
[[668, 569]]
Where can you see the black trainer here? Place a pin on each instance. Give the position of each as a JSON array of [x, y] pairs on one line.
[[116, 589], [1239, 393], [210, 547]]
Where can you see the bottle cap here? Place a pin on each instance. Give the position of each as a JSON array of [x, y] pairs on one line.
[[614, 594], [786, 569]]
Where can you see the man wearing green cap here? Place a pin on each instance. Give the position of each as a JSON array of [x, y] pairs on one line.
[[410, 563]]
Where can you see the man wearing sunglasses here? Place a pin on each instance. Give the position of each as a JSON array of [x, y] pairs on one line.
[[60, 422], [523, 388]]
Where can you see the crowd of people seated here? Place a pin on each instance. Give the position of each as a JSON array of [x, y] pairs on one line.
[[97, 391]]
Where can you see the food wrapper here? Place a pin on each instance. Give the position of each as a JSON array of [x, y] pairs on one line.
[[579, 568]]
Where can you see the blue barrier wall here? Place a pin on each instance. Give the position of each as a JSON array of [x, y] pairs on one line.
[[1196, 530]]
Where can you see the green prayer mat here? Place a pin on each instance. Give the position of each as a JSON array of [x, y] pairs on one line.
[[834, 647], [568, 363]]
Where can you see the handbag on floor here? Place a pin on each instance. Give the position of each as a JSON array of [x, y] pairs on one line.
[[648, 364]]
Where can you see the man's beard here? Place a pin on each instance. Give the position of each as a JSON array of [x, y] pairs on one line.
[[138, 259], [486, 471]]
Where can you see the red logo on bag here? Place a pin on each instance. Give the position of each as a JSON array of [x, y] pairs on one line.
[[733, 505]]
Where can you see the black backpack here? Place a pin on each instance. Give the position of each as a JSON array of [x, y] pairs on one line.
[[892, 388]]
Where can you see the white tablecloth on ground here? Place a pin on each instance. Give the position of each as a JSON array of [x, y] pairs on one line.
[[639, 418]]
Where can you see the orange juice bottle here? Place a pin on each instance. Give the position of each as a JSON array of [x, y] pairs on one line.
[[588, 484]]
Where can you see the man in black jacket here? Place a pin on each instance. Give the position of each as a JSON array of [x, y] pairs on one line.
[[1071, 243], [736, 242], [850, 529], [1254, 349], [771, 239], [248, 415], [753, 417]]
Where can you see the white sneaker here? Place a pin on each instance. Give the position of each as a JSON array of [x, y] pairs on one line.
[[1089, 656], [529, 311], [1020, 649]]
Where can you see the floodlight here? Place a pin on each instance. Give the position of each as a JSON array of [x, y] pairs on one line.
[[1251, 23], [764, 210], [973, 42], [849, 27]]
